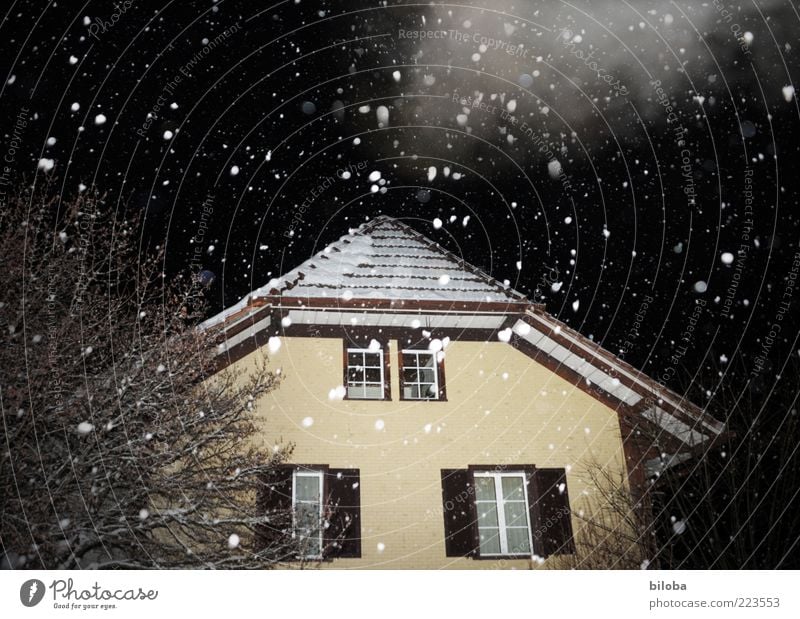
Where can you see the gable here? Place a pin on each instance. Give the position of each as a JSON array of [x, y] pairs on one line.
[[386, 277]]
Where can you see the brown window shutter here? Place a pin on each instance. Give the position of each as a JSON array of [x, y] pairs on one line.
[[553, 527], [274, 502], [343, 513], [460, 522]]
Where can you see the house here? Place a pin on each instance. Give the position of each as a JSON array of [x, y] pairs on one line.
[[440, 419]]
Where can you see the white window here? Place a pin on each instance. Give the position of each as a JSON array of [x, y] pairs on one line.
[[420, 375], [307, 504], [501, 501], [365, 374]]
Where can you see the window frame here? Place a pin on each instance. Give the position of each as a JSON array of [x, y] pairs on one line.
[[384, 369], [497, 476], [438, 368], [320, 475]]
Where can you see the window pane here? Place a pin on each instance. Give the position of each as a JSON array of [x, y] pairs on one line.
[[430, 391], [409, 376], [373, 392], [515, 514], [518, 542], [512, 489], [426, 376], [307, 518], [355, 358], [372, 375], [356, 392], [489, 541], [426, 361], [487, 515], [411, 392], [311, 546], [484, 489], [306, 488], [355, 375], [372, 359], [409, 361]]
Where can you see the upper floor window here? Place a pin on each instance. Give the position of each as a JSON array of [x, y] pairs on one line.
[[365, 374], [420, 376]]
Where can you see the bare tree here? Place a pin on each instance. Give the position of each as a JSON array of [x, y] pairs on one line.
[[117, 451], [613, 530], [735, 504]]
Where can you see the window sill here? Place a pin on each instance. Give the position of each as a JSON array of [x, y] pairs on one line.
[[529, 557]]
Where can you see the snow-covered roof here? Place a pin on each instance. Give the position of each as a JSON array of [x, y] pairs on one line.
[[384, 259]]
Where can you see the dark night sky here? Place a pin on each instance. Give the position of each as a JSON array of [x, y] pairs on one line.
[[288, 93]]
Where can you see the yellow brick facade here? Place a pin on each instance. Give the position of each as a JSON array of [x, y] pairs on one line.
[[502, 408]]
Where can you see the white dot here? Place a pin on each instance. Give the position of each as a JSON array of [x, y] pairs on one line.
[[168, 134], [233, 541], [234, 170], [100, 119], [381, 546], [379, 425], [727, 258], [308, 422], [46, 164]]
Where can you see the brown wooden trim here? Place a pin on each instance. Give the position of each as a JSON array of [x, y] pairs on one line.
[[400, 383], [245, 323], [387, 370], [567, 543], [407, 337], [423, 305], [499, 468], [473, 514], [460, 526], [251, 304], [331, 474], [442, 379], [568, 374], [612, 364]]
